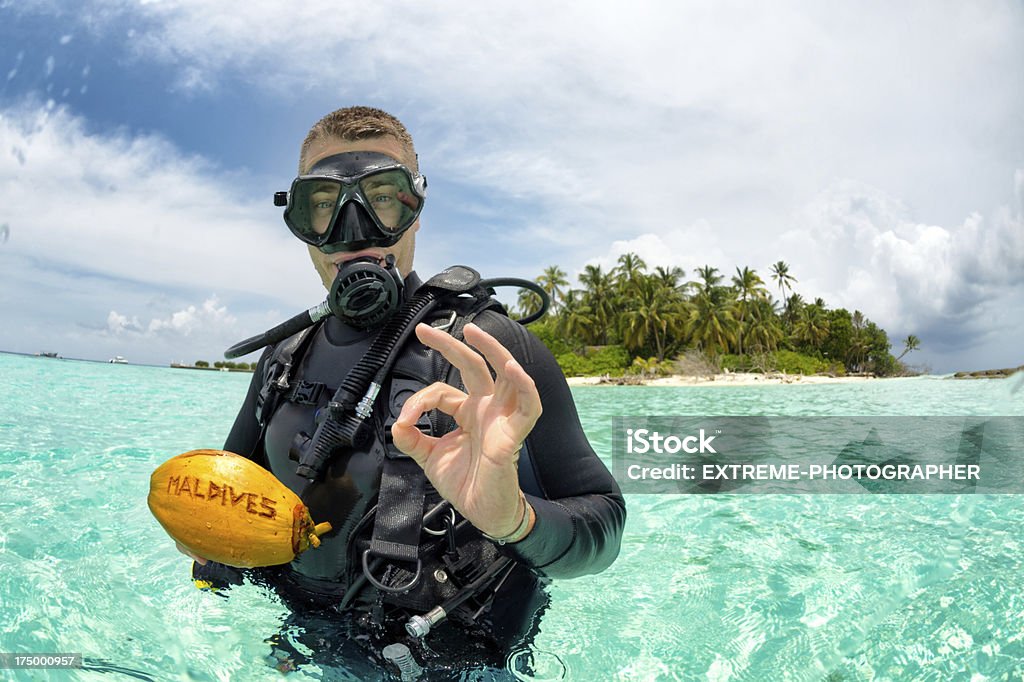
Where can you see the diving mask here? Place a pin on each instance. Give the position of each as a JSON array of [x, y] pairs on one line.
[[353, 201]]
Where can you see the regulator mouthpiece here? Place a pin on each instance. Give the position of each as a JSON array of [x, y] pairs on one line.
[[364, 294]]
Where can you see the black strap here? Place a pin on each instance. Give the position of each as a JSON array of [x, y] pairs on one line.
[[396, 533], [277, 372], [399, 519]]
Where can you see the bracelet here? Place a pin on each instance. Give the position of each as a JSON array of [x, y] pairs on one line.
[[520, 530]]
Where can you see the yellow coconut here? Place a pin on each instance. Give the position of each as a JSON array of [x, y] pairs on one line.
[[229, 509]]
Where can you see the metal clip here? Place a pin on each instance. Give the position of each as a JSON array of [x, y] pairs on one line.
[[447, 325]]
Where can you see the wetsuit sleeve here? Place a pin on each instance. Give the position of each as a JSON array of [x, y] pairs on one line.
[[244, 436], [582, 512]]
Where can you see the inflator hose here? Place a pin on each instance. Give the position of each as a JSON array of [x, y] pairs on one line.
[[280, 332]]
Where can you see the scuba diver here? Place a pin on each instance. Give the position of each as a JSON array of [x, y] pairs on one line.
[[436, 435]]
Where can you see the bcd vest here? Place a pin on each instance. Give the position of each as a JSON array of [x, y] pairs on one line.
[[380, 555]]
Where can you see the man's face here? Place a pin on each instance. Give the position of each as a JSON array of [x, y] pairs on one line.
[[327, 264]]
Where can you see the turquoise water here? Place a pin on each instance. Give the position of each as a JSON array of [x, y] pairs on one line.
[[729, 587]]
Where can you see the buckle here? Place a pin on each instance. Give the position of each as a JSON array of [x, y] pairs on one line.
[[307, 392]]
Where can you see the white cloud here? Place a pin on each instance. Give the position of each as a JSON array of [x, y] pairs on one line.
[[106, 230], [136, 209], [859, 248], [700, 132], [119, 324], [689, 248], [209, 318], [184, 322], [710, 97]]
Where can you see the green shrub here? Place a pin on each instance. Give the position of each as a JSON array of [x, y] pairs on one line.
[[611, 360], [788, 361], [791, 362], [545, 331], [734, 363]]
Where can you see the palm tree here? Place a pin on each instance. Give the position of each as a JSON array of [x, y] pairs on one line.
[[599, 295], [812, 326], [794, 306], [656, 315], [712, 323], [527, 303], [592, 276], [780, 273], [910, 343], [749, 286], [646, 367], [630, 269], [552, 281], [576, 319], [858, 351], [857, 319], [764, 331], [709, 280], [670, 276]]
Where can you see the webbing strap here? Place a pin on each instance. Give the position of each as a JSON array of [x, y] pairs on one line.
[[396, 531], [277, 372]]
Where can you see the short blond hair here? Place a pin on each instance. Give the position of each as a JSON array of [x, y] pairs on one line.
[[360, 123]]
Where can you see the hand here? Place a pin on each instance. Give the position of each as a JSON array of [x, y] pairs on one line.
[[474, 466], [184, 550]]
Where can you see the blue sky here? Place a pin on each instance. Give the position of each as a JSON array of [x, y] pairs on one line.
[[877, 148]]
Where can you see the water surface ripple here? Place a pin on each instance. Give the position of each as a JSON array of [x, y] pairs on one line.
[[726, 587]]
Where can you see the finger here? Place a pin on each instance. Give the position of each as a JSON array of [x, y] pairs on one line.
[[528, 406], [495, 353], [437, 395], [406, 436], [475, 374], [413, 442], [507, 392], [509, 389], [408, 200]]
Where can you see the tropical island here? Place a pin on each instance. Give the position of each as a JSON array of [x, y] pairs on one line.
[[220, 366], [633, 325]]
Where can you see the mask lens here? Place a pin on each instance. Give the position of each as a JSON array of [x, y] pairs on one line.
[[387, 195], [312, 207], [390, 196]]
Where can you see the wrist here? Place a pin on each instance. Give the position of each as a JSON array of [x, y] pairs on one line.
[[523, 526]]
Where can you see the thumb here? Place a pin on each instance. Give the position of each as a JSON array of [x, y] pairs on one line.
[[411, 441]]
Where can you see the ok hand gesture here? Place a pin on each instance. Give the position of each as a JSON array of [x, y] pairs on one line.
[[474, 466]]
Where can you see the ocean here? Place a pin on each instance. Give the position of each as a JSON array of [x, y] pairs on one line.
[[707, 587]]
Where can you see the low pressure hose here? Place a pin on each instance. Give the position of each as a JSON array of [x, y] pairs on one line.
[[280, 332]]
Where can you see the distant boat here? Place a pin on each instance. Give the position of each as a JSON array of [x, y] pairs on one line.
[[47, 354], [118, 360]]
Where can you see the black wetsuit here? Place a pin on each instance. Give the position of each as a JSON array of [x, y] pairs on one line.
[[579, 509]]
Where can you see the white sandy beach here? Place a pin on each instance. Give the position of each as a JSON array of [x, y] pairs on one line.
[[731, 379]]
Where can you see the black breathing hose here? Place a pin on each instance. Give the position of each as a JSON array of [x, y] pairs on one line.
[[280, 332], [545, 300]]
